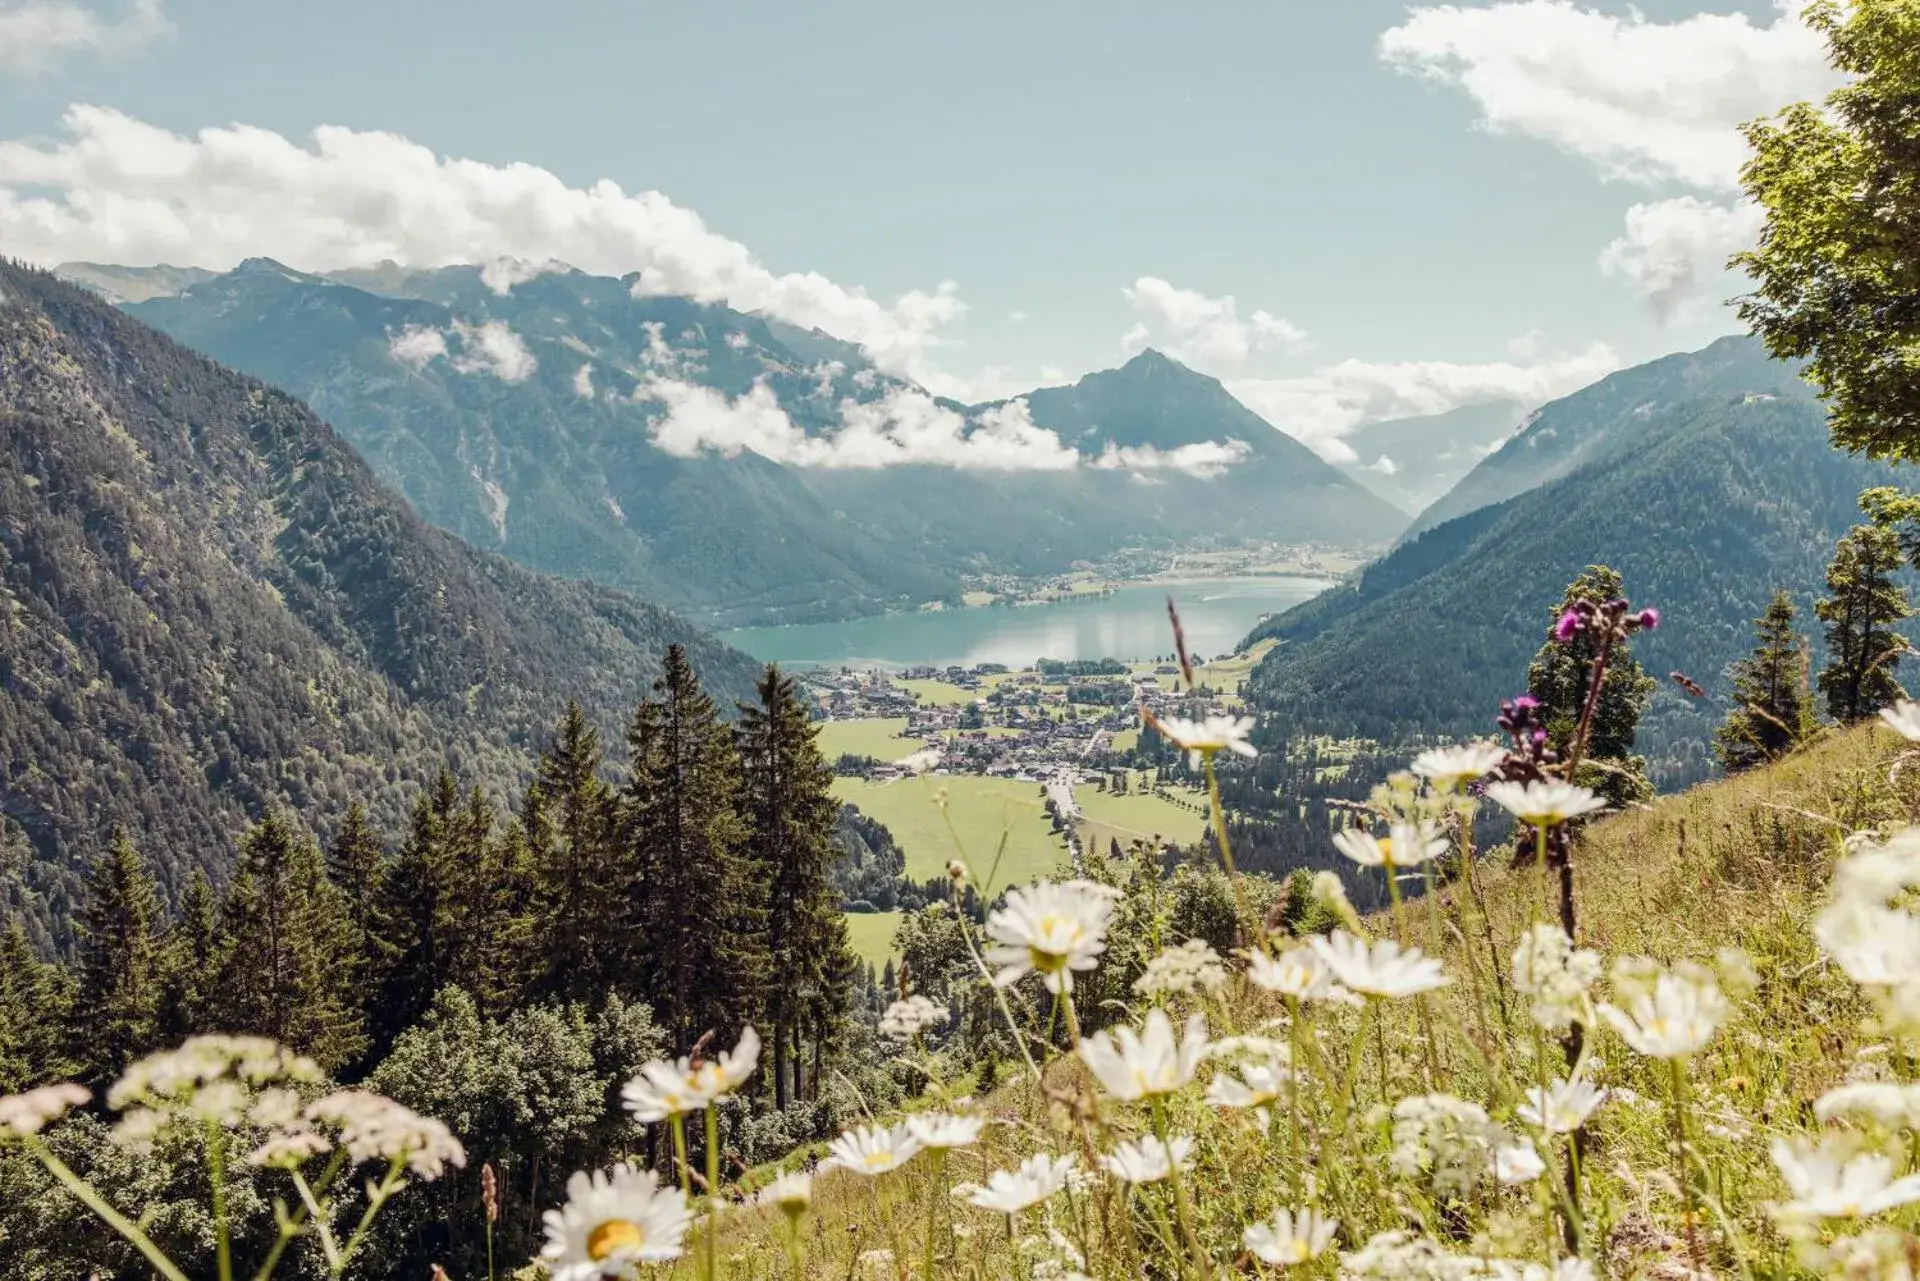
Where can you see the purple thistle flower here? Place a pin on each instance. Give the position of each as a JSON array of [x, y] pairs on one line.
[[1569, 626], [1649, 619], [1525, 703]]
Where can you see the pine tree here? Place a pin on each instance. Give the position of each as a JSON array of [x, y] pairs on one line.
[[285, 930], [571, 832], [118, 963], [36, 1000], [1560, 676], [701, 923], [191, 960], [1862, 650], [356, 862], [1773, 712], [787, 800], [414, 918]]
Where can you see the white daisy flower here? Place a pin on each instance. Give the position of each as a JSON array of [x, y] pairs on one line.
[[1518, 1163], [944, 1129], [1448, 768], [871, 1150], [1829, 1180], [1151, 1062], [791, 1193], [1290, 1237], [1405, 845], [1544, 803], [1886, 1102], [664, 1089], [1674, 1020], [1147, 1160], [1257, 1085], [1193, 965], [1573, 1269], [1903, 718], [1052, 929], [1562, 1107], [1382, 969], [1297, 972], [1204, 738], [614, 1220], [1011, 1191]]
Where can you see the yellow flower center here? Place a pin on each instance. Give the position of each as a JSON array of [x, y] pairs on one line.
[[614, 1234], [1297, 1251], [1386, 848]]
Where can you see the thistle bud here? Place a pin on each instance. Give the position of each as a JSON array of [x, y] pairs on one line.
[[1569, 626], [490, 1192], [957, 870]]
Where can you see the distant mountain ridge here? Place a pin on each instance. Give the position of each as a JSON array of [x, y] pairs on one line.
[[1413, 462], [213, 606], [531, 422], [1563, 434], [1705, 505]]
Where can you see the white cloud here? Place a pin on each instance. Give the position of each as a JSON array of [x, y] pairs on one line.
[[492, 348], [1017, 317], [37, 35], [417, 345], [503, 273], [489, 348], [904, 427], [583, 382], [1193, 327], [1384, 465], [1319, 408], [1206, 458], [118, 189], [1670, 248], [1645, 101]]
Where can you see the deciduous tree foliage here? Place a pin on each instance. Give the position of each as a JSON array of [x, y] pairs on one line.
[[1837, 269]]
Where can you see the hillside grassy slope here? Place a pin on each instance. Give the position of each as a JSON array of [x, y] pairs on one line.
[[1740, 863]]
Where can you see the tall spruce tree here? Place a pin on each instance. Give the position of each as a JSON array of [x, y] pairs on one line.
[[415, 917], [284, 932], [1773, 711], [191, 960], [578, 867], [1561, 676], [118, 966], [1862, 648], [699, 917], [356, 862], [787, 799]]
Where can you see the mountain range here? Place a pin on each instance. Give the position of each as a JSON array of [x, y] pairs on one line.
[[209, 604], [1414, 462], [737, 468], [1706, 479]]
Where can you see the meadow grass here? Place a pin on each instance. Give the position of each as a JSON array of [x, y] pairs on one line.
[[981, 808], [1139, 816], [940, 693], [1741, 863], [878, 737]]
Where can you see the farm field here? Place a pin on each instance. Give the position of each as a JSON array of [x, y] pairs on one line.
[[877, 737], [871, 934], [982, 809], [1137, 816], [939, 693]]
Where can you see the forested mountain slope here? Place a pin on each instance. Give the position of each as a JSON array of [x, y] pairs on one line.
[[583, 429], [1613, 412], [1705, 508], [208, 604]]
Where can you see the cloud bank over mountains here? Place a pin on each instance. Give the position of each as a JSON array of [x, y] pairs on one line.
[[1656, 104]]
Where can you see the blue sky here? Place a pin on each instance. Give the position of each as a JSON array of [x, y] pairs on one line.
[[1421, 221]]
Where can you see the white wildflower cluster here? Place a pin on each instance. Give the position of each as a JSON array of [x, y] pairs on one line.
[[22, 1115], [1298, 972], [910, 1016], [1872, 930], [666, 1088], [1193, 966], [1451, 768], [1403, 1256], [1290, 1237], [1148, 1160], [1262, 1071], [1446, 1142], [372, 1127], [224, 1081], [1555, 977]]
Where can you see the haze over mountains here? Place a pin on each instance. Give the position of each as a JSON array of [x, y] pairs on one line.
[[740, 469]]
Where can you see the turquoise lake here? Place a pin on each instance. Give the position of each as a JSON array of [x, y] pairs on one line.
[[1130, 624]]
